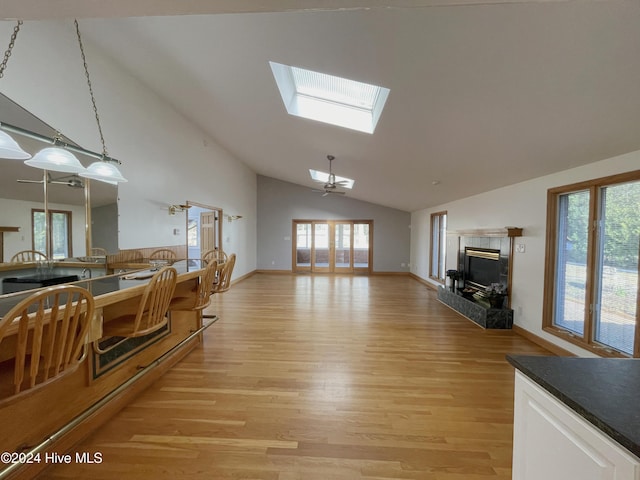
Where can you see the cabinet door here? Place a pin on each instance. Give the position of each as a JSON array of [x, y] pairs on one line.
[[552, 442]]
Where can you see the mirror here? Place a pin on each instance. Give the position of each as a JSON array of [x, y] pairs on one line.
[[22, 189]]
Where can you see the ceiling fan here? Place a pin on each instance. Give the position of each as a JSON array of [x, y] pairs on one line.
[[73, 181], [330, 184]]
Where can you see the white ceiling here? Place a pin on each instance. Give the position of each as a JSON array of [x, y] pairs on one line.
[[482, 95]]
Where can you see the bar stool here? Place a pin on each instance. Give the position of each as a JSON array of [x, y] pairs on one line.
[[163, 254], [28, 256], [50, 341], [202, 297], [223, 282], [151, 314], [215, 254]]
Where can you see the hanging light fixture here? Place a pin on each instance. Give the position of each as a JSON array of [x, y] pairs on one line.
[[56, 160], [9, 148], [104, 170]]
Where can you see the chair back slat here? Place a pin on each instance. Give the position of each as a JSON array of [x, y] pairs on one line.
[[51, 335]]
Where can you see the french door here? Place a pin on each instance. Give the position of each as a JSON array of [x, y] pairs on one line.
[[332, 246]]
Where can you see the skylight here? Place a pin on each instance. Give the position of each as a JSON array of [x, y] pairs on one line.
[[323, 177], [329, 99]]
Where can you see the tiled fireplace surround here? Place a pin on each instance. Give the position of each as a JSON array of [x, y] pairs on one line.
[[478, 311]]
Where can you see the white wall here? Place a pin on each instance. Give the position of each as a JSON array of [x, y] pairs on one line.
[[166, 159], [521, 205]]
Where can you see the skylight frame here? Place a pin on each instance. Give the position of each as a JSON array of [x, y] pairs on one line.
[[336, 106]]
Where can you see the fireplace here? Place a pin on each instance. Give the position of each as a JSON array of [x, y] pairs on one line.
[[481, 267], [485, 256]]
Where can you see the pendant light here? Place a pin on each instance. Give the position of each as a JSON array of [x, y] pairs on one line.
[[56, 160], [9, 148], [103, 170]]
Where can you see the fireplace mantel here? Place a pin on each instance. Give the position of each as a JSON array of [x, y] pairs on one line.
[[488, 232]]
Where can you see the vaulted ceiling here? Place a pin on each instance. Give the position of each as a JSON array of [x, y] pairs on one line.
[[482, 94]]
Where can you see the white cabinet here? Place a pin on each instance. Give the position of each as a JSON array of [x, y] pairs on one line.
[[552, 442]]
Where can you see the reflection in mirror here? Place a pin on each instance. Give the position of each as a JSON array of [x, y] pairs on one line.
[[82, 213]]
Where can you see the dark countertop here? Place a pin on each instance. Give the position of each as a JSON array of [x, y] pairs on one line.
[[104, 285], [605, 391]]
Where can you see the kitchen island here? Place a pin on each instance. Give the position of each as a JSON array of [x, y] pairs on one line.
[[576, 418]]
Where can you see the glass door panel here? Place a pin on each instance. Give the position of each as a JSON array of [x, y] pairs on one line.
[[327, 246], [342, 247], [303, 244], [361, 242], [617, 284], [321, 248]]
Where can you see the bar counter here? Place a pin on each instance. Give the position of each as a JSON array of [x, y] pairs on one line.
[[101, 378]]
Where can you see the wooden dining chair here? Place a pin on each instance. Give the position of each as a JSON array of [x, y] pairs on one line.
[[151, 314], [201, 296], [48, 331], [28, 256], [163, 254]]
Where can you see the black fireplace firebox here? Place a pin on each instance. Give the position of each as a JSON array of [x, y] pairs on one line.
[[481, 267]]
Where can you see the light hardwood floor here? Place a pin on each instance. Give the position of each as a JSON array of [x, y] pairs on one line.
[[322, 377]]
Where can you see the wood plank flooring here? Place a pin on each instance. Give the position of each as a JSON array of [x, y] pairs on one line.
[[322, 377]]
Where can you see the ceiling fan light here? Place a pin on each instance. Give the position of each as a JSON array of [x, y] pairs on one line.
[[10, 149], [56, 160], [103, 172]]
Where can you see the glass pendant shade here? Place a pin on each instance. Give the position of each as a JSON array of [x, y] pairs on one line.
[[10, 149], [56, 160], [104, 172]]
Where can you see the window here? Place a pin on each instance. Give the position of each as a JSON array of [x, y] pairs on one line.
[[330, 99], [192, 233], [57, 228], [591, 276], [438, 246]]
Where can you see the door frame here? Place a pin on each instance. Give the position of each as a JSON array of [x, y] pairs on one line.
[[217, 226], [311, 268]]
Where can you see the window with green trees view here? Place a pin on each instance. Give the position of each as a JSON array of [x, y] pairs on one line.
[[591, 294], [57, 228]]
